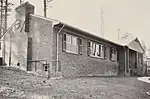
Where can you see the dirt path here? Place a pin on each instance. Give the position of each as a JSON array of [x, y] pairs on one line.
[[26, 86]]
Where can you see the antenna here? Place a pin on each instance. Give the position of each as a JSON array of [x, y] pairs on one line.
[[102, 23], [118, 34]]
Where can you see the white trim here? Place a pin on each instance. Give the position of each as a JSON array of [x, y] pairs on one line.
[[9, 29], [54, 22]]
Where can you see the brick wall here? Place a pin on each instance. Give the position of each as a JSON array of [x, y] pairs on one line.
[[73, 65], [41, 33]]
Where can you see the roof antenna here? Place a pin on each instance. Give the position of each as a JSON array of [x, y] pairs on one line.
[[102, 23], [118, 34]]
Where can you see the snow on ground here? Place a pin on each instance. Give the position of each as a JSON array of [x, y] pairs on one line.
[[144, 79]]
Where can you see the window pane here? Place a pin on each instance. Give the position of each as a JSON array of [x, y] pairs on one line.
[[89, 51], [80, 45], [64, 46], [111, 52], [94, 48], [68, 40], [74, 40], [102, 51], [68, 47], [0, 46], [64, 37], [97, 50], [115, 52], [80, 41], [105, 52], [71, 44], [89, 44], [64, 42]]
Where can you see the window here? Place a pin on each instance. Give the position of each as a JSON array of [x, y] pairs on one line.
[[72, 44], [139, 58], [46, 68], [105, 52], [113, 54], [80, 45], [95, 49], [0, 45]]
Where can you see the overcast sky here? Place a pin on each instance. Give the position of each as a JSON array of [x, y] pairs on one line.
[[131, 16]]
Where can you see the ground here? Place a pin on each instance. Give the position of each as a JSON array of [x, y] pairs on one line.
[[16, 84], [144, 79]]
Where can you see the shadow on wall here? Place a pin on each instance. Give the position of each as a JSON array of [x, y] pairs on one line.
[[17, 49]]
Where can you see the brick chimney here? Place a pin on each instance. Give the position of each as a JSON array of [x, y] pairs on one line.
[[23, 12]]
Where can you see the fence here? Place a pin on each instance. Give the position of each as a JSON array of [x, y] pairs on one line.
[[34, 65]]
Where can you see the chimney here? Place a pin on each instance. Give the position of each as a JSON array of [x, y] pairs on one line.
[[23, 12]]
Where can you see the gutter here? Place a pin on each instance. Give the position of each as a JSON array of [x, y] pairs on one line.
[[125, 59], [57, 42]]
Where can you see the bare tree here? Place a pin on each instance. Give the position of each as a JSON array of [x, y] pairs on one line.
[[5, 8]]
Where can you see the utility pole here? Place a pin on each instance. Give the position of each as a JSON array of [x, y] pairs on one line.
[[44, 8], [21, 1], [6, 10]]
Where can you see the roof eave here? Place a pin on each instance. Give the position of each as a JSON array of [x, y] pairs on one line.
[[62, 23]]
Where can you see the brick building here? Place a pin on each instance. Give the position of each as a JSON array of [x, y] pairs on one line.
[[41, 44]]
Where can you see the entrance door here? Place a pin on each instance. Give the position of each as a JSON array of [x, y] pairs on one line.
[[132, 62]]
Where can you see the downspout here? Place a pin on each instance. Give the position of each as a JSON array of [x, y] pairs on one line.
[[125, 59], [57, 42], [128, 62]]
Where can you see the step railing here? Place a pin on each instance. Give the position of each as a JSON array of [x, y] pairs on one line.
[[56, 66], [44, 63]]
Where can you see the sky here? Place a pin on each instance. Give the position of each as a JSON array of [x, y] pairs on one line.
[[132, 16]]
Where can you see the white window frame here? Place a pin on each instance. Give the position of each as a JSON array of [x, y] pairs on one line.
[[96, 49], [71, 47], [113, 54]]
